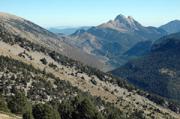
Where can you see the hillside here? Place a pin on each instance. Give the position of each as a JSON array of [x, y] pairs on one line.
[[158, 71], [35, 79], [171, 27], [111, 40], [139, 49], [36, 34], [8, 116]]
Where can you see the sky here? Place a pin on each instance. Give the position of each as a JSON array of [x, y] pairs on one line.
[[72, 13]]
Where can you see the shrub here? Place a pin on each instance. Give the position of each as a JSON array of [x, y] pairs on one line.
[[45, 111], [18, 103], [93, 81], [3, 105], [44, 61], [28, 115], [66, 110]]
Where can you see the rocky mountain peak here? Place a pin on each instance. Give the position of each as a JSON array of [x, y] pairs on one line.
[[126, 22], [120, 18], [123, 24]]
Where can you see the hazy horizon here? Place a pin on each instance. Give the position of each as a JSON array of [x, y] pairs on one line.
[[91, 13]]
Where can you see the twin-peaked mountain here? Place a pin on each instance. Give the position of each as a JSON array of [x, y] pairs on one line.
[[112, 40]]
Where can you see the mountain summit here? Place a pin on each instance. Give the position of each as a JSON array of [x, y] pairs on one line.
[[112, 39], [127, 22], [122, 23]]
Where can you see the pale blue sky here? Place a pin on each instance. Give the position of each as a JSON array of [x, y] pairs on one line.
[[49, 13]]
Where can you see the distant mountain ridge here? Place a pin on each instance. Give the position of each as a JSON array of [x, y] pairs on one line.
[[158, 71], [112, 39], [66, 30], [37, 80], [172, 26]]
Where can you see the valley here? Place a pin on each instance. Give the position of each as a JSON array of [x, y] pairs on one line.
[[160, 68], [81, 80], [117, 70]]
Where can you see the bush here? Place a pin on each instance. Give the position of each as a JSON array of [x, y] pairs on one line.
[[66, 110], [115, 114], [18, 103], [28, 115], [137, 115], [44, 111], [93, 81], [86, 109], [3, 105], [79, 108], [44, 61]]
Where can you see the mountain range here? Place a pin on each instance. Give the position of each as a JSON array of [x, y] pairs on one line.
[[111, 40], [157, 71], [119, 40], [47, 75], [66, 30], [171, 27]]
